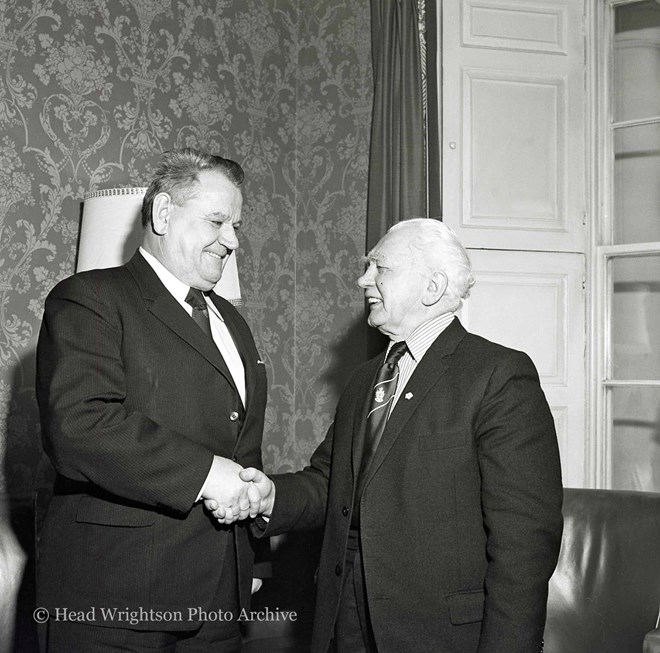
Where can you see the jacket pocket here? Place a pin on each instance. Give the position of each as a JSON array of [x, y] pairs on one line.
[[466, 607], [443, 440], [97, 511]]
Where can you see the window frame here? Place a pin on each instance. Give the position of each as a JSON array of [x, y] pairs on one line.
[[599, 468]]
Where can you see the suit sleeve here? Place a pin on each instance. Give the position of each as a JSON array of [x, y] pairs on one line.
[[87, 432], [521, 501], [301, 497]]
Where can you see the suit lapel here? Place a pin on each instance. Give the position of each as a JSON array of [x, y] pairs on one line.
[[233, 326], [361, 411], [164, 307], [427, 375]]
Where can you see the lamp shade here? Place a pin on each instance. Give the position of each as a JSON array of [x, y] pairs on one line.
[[111, 231]]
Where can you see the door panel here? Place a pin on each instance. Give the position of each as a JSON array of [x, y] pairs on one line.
[[514, 124], [534, 302], [514, 160]]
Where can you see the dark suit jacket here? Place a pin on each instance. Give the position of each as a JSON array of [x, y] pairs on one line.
[[135, 400], [461, 514]]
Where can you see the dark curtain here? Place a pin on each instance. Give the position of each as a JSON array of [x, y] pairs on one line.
[[397, 169], [433, 92]]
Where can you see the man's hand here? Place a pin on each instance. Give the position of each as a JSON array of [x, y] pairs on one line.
[[225, 494], [254, 495], [261, 491], [12, 563]]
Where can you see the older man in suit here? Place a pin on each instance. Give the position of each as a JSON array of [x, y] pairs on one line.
[[439, 482], [152, 397]]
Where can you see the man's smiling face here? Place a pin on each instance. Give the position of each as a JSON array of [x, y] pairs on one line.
[[394, 283], [201, 233]]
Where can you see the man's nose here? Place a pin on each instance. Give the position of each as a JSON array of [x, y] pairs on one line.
[[365, 280], [227, 237]]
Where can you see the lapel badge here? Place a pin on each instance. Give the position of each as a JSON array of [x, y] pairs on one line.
[[408, 395], [260, 362]]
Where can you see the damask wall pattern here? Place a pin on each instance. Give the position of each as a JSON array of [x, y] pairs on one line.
[[91, 91]]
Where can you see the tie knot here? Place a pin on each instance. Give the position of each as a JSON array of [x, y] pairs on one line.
[[195, 298], [397, 350]]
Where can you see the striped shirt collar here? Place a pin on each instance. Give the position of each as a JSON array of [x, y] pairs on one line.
[[423, 336]]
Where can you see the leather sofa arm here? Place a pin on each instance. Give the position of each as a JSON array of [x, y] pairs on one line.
[[652, 641]]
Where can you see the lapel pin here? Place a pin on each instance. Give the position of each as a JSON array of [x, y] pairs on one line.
[[408, 395], [260, 362]]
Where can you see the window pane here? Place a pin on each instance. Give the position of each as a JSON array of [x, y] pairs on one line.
[[637, 184], [636, 61], [636, 439], [635, 317]]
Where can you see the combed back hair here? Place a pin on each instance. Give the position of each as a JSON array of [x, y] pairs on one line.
[[441, 251], [177, 174]]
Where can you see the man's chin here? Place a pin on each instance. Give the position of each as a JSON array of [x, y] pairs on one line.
[[211, 277], [374, 322], [209, 282]]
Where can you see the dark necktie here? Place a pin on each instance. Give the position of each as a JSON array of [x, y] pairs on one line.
[[382, 397], [200, 312]]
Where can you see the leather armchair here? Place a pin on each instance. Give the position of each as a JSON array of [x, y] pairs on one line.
[[605, 593]]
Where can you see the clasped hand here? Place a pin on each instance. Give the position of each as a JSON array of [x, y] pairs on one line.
[[232, 493]]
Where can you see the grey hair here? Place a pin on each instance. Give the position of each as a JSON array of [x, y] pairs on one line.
[[441, 252], [178, 171]]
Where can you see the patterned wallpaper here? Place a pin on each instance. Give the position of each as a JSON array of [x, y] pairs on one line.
[[91, 91]]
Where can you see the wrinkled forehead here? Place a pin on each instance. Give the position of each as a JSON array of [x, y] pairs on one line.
[[391, 249], [374, 256], [216, 187]]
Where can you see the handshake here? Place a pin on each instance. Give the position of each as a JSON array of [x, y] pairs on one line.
[[232, 492]]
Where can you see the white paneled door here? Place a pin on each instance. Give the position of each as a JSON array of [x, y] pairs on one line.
[[514, 155], [513, 117], [534, 302]]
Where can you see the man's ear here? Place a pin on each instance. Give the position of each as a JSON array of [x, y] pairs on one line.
[[435, 288], [161, 212]]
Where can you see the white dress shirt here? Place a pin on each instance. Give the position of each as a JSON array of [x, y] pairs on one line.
[[219, 330], [418, 343]]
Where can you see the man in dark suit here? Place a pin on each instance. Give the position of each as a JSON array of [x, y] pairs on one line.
[[152, 397], [440, 534]]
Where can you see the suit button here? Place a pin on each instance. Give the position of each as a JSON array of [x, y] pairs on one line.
[[338, 570], [345, 511], [233, 416]]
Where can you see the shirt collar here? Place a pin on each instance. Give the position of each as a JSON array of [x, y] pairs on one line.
[[174, 286], [424, 335]]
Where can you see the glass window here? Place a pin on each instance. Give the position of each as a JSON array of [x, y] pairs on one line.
[[635, 438], [637, 183], [636, 61], [628, 399], [635, 101], [635, 334]]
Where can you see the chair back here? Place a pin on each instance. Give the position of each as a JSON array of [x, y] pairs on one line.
[[604, 594]]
